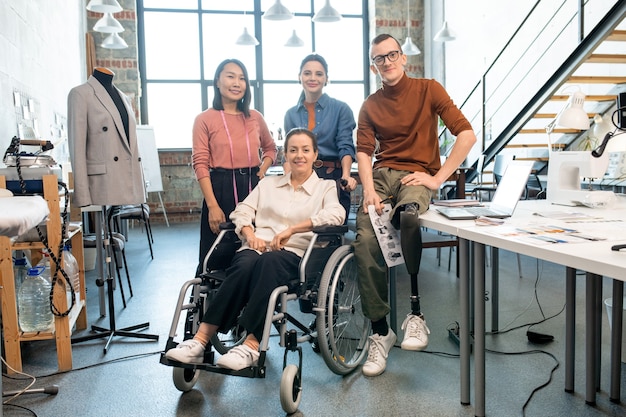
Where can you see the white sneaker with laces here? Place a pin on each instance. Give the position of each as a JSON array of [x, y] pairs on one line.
[[379, 348], [238, 358], [189, 351], [415, 333]]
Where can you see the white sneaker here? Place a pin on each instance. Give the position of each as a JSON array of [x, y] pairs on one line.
[[238, 358], [379, 348], [189, 351], [415, 333]]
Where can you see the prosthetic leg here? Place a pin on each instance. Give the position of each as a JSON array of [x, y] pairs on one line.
[[411, 242]]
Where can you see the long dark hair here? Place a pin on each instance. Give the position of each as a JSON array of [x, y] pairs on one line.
[[243, 105]]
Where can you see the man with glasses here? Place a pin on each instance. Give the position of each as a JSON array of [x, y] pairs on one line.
[[398, 126]]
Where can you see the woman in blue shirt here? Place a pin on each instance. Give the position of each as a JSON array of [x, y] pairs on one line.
[[331, 120]]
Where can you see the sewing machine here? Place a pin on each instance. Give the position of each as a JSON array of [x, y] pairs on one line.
[[566, 171]]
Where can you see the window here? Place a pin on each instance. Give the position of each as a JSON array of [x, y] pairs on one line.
[[181, 43]]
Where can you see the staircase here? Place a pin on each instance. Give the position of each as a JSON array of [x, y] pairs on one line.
[[581, 45]]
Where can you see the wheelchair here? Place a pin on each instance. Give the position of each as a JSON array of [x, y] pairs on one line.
[[326, 287]]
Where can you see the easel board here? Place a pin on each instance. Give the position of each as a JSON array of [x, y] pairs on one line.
[[149, 158]]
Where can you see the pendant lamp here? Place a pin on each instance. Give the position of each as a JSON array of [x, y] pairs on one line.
[[327, 14], [104, 6], [246, 39], [108, 24], [277, 12], [294, 41], [444, 34], [114, 41], [408, 47]]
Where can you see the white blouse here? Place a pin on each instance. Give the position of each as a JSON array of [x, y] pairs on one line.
[[274, 205]]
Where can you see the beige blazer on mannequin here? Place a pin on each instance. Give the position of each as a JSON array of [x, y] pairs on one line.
[[106, 164]]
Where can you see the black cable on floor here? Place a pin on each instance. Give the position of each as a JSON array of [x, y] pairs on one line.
[[20, 407], [538, 388]]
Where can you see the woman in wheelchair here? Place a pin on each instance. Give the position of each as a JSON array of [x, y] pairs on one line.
[[275, 223]]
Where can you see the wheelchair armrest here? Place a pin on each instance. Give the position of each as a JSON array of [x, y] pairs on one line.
[[227, 226], [330, 230]]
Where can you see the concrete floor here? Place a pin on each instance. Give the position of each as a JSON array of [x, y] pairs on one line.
[[129, 380]]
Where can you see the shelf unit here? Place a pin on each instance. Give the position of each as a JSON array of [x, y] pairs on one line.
[[63, 326]]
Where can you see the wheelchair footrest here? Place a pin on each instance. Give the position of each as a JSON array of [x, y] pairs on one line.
[[249, 372]]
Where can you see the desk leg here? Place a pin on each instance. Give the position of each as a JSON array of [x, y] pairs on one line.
[[479, 328], [570, 327], [495, 288], [464, 322], [598, 326], [590, 339], [616, 340]]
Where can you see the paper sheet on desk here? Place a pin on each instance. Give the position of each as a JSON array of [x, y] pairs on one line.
[[546, 234], [387, 235]]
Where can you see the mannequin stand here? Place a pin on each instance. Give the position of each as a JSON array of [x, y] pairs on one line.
[[101, 332]]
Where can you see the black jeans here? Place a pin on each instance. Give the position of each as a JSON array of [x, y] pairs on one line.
[[250, 280], [223, 188]]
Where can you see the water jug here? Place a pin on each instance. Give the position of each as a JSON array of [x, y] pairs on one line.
[[20, 269], [34, 314], [70, 266], [45, 263]]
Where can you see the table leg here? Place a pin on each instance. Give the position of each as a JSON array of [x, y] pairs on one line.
[[479, 329], [598, 325], [495, 288], [616, 340], [464, 322], [570, 327], [590, 340]]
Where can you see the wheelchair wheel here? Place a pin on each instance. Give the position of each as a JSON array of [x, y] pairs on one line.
[[185, 378], [342, 329], [290, 389]]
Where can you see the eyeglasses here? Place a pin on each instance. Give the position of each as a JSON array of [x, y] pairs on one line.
[[391, 57]]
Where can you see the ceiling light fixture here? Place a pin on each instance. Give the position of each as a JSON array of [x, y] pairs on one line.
[[408, 47], [444, 34], [114, 41], [327, 14], [246, 39], [108, 24], [104, 6], [294, 41], [277, 12]]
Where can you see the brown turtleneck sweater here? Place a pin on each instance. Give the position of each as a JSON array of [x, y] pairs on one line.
[[404, 120]]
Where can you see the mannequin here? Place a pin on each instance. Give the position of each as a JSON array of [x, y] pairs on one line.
[[105, 76], [102, 138]]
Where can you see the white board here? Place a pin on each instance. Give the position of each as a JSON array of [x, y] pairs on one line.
[[149, 158]]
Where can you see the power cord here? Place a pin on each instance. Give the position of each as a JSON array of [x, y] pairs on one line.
[[44, 240], [540, 387], [53, 389]]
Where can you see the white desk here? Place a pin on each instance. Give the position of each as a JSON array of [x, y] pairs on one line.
[[596, 258]]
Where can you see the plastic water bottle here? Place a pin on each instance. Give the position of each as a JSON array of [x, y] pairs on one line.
[[34, 314], [70, 266], [45, 263], [20, 269]]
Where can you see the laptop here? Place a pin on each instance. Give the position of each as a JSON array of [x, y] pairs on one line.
[[505, 198]]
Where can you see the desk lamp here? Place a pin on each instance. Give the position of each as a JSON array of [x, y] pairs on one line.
[[567, 168]]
